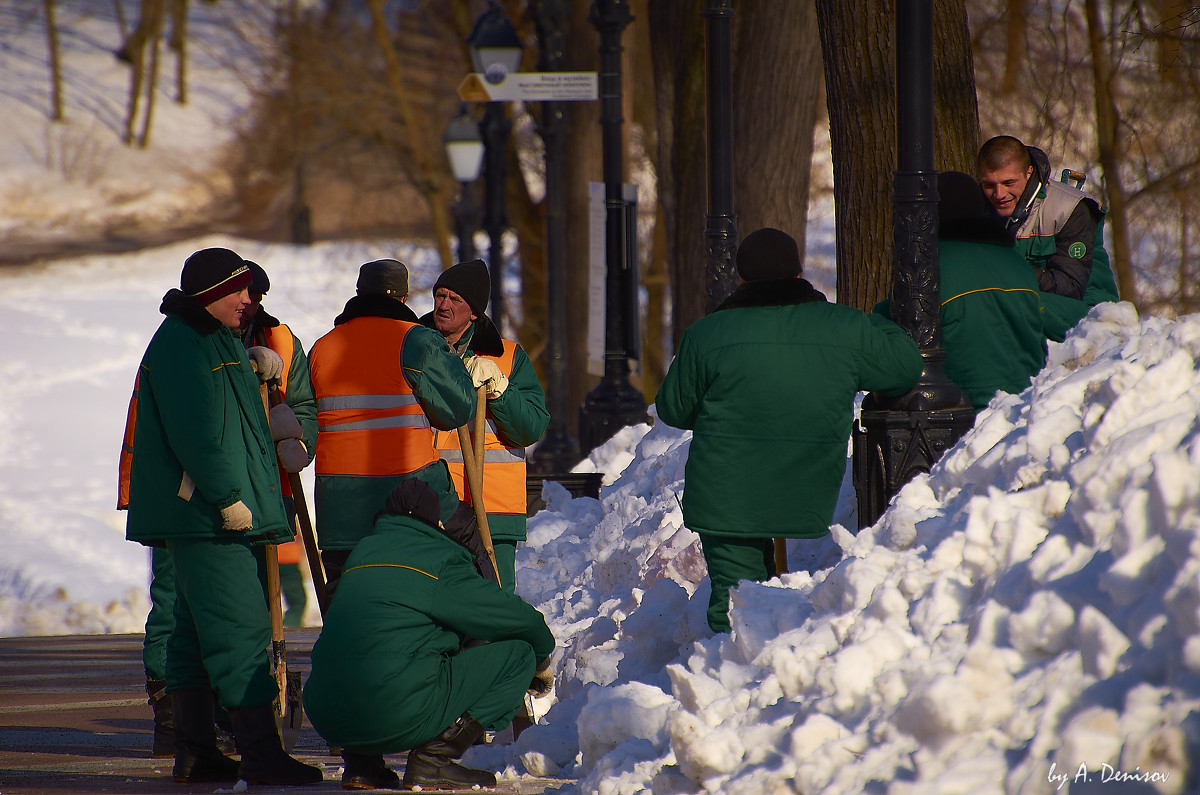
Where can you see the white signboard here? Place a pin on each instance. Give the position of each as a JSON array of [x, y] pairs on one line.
[[531, 87]]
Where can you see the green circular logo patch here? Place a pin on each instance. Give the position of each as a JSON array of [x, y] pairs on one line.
[[1077, 250]]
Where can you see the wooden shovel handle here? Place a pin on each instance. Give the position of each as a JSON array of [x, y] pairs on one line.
[[473, 471]]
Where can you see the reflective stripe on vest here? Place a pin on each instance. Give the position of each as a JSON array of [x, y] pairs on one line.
[[503, 467], [369, 422]]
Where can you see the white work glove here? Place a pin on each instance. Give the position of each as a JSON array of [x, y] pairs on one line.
[[486, 373], [237, 517], [293, 455], [270, 365], [284, 424]]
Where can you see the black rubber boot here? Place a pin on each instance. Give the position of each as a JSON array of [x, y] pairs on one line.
[[159, 699], [263, 759], [364, 771], [434, 765], [197, 757]]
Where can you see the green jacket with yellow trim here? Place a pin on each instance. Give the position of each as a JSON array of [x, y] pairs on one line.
[[992, 328], [407, 597], [203, 442]]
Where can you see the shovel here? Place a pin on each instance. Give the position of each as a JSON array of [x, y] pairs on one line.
[[288, 708], [304, 521], [473, 471]]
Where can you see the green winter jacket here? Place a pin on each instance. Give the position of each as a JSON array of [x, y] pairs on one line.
[[407, 597], [519, 414], [991, 318], [203, 442], [768, 382]]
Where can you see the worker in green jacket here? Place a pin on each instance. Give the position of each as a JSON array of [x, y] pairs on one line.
[[390, 670], [204, 484], [991, 308], [515, 407], [767, 383]]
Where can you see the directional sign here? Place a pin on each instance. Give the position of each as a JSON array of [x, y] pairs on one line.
[[531, 87]]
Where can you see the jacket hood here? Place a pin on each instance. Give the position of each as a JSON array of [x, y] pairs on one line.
[[772, 292], [977, 230], [375, 305], [176, 304], [1041, 173], [485, 337]]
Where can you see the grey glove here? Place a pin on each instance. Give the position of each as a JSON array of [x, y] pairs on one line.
[[237, 517], [293, 455], [284, 424], [270, 365]]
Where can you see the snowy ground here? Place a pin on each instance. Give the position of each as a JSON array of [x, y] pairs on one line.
[[1025, 619]]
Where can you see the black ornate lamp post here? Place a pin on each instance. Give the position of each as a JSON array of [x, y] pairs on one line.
[[495, 52], [614, 403], [720, 233], [905, 436], [558, 452], [464, 150]]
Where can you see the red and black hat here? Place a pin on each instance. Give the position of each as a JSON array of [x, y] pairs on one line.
[[213, 273]]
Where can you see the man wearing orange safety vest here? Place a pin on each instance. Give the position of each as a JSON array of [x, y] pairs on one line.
[[516, 405], [384, 385]]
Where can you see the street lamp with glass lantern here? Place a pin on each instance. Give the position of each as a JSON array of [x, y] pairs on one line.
[[495, 53], [464, 150]]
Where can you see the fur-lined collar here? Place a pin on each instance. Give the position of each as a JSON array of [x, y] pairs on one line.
[[176, 304], [375, 305], [485, 337], [772, 292]]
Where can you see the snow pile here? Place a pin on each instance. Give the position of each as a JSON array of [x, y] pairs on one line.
[[1026, 615]]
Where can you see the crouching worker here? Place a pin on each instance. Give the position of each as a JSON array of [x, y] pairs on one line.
[[390, 671]]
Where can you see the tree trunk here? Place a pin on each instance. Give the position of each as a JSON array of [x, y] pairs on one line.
[[154, 35], [776, 88], [178, 13], [677, 35], [56, 105], [858, 42], [1015, 33], [416, 128], [1111, 151]]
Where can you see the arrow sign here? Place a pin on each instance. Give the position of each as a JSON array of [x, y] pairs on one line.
[[531, 87]]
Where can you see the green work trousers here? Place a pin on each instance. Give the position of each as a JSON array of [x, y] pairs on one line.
[[222, 625], [488, 682], [161, 618], [731, 560], [506, 562]]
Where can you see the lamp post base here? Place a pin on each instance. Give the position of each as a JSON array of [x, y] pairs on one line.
[[608, 408]]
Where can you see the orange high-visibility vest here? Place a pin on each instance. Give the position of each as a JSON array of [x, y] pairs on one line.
[[126, 461], [503, 466], [369, 421], [279, 339]]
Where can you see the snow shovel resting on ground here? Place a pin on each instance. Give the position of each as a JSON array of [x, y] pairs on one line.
[[473, 473], [304, 521], [288, 708]]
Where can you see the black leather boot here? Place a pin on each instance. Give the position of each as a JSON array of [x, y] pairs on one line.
[[197, 757], [366, 771], [263, 759], [434, 765], [159, 700]]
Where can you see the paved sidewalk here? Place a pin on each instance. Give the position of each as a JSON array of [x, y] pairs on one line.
[[74, 719]]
